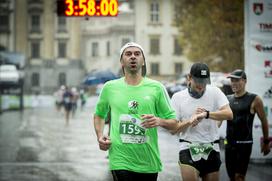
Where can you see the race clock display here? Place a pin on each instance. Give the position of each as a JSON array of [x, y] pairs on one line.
[[98, 8]]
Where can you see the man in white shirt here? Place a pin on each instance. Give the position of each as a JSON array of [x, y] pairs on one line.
[[199, 108]]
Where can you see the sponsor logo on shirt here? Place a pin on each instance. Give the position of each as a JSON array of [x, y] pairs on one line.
[[133, 107]]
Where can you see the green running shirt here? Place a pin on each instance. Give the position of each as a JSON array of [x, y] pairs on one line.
[[134, 148]]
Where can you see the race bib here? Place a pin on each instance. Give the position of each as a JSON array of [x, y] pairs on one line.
[[200, 150], [131, 131]]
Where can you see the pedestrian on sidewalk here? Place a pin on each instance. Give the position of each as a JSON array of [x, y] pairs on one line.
[[199, 108], [239, 138], [138, 105]]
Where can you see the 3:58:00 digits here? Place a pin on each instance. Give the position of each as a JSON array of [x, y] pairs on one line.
[[91, 8]]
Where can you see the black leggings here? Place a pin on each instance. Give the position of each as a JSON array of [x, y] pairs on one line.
[[125, 175], [237, 158]]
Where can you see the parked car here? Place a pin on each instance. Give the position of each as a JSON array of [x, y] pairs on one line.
[[14, 58], [9, 75]]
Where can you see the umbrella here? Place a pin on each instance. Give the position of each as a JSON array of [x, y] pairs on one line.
[[99, 77]]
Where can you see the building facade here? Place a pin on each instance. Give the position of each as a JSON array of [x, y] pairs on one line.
[[147, 22], [102, 38], [50, 43], [157, 33], [61, 50], [7, 25]]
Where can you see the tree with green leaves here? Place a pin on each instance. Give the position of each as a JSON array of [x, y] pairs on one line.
[[212, 31]]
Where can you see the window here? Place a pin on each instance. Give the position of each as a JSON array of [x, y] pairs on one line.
[[4, 23], [62, 79], [108, 48], [61, 24], [178, 68], [35, 49], [154, 12], [154, 46], [35, 79], [154, 69], [62, 49], [35, 23], [95, 49], [177, 48]]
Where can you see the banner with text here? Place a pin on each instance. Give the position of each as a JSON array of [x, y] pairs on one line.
[[258, 62]]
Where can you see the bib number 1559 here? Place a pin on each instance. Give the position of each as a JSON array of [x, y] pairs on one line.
[[131, 129]]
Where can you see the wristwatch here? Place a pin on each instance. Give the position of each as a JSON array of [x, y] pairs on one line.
[[208, 114], [266, 141]]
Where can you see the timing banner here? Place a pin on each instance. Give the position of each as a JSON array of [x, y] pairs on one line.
[[258, 63]]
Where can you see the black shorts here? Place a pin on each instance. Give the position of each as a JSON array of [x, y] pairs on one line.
[[237, 158], [68, 107], [126, 175], [212, 164]]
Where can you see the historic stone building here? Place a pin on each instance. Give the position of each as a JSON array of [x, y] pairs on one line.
[[147, 22], [62, 50], [51, 44], [102, 38], [155, 30]]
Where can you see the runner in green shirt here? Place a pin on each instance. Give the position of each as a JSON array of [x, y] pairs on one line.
[[138, 105]]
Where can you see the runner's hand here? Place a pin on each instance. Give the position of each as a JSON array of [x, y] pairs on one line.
[[194, 120], [104, 143], [201, 112], [150, 121], [265, 149]]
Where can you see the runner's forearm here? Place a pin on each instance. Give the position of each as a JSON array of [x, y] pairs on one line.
[[224, 114], [259, 108], [265, 128], [170, 124], [99, 124], [180, 126]]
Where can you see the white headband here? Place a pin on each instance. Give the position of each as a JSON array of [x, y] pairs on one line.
[[131, 44]]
